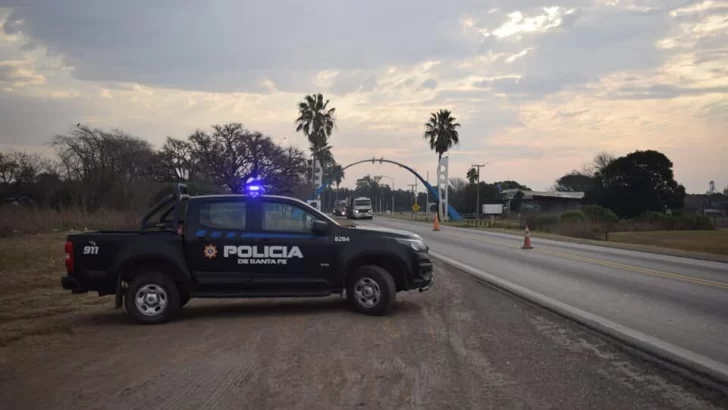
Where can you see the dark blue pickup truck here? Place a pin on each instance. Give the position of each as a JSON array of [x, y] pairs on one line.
[[243, 246]]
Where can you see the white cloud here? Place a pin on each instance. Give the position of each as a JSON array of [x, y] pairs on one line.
[[518, 55], [551, 17], [538, 88], [699, 7]]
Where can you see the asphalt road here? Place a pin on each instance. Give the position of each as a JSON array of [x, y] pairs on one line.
[[681, 301], [461, 345]]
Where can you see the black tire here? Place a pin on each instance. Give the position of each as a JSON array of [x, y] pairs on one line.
[[378, 279], [159, 285]]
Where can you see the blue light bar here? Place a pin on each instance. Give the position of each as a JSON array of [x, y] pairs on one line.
[[253, 187]]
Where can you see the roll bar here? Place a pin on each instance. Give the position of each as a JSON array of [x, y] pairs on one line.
[[173, 202]]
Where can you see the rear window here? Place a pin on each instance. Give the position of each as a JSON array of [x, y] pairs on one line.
[[363, 202], [223, 215]]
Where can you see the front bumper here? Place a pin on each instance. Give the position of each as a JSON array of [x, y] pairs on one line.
[[424, 275], [427, 286]]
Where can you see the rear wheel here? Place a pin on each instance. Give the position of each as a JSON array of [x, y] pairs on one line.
[[371, 290], [152, 298]]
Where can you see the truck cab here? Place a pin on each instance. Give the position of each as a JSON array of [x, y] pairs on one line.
[[359, 208], [240, 246]]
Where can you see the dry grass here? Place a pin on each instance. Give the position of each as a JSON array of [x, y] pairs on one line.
[[31, 297], [21, 221], [715, 242]]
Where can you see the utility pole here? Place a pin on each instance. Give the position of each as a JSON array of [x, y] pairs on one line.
[[477, 190], [414, 194], [384, 176], [427, 210]]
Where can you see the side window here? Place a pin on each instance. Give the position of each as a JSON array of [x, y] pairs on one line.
[[223, 215], [279, 217]]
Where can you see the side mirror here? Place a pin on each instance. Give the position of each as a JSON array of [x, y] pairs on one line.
[[320, 227]]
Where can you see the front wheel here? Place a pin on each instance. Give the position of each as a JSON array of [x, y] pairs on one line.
[[371, 290], [152, 298]]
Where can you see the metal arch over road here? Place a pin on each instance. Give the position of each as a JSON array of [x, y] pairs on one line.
[[454, 215]]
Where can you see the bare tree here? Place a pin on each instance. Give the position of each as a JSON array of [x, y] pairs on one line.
[[173, 155], [23, 168], [231, 154], [102, 167], [459, 184], [8, 168], [600, 162]]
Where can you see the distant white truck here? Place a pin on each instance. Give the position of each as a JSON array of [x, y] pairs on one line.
[[359, 208]]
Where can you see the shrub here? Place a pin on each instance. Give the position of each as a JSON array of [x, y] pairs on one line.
[[541, 222], [578, 230], [655, 221], [651, 217], [600, 214], [573, 217]]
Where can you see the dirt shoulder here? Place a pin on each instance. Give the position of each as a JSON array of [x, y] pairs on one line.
[[31, 297], [461, 345]]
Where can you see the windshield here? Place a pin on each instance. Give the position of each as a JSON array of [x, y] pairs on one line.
[[363, 202]]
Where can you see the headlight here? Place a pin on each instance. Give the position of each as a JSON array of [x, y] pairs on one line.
[[417, 245]]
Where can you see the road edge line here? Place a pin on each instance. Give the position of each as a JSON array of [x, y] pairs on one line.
[[678, 356]]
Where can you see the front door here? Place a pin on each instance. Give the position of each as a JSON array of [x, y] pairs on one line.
[[287, 253], [223, 225]]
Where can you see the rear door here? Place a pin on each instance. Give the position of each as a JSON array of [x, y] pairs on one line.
[[288, 254], [216, 240]]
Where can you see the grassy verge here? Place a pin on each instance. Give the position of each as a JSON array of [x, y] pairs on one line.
[[23, 221], [715, 242], [711, 245], [31, 297]]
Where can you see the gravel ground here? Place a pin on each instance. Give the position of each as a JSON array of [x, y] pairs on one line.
[[461, 345]]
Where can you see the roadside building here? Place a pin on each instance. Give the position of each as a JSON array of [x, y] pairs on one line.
[[544, 201]]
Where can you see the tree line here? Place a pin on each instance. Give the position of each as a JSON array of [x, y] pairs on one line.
[[97, 169], [630, 185], [111, 169]]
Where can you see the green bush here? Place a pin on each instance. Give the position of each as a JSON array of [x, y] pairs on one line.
[[689, 222], [600, 214], [541, 222], [652, 217], [578, 230], [573, 217], [656, 221]]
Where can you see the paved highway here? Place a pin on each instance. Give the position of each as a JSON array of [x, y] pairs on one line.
[[680, 301]]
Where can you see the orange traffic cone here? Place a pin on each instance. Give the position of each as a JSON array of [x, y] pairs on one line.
[[436, 224], [527, 240]]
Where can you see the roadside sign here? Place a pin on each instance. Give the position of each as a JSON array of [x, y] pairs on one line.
[[416, 208]]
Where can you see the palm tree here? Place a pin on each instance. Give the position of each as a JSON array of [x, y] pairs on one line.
[[441, 132], [337, 175], [324, 155], [472, 175], [316, 121], [442, 135]]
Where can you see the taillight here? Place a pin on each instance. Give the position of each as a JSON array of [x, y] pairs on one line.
[[69, 257]]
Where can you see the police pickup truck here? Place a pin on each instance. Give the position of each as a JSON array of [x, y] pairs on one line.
[[243, 246]]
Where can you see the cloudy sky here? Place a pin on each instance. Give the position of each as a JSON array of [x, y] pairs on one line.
[[539, 87]]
